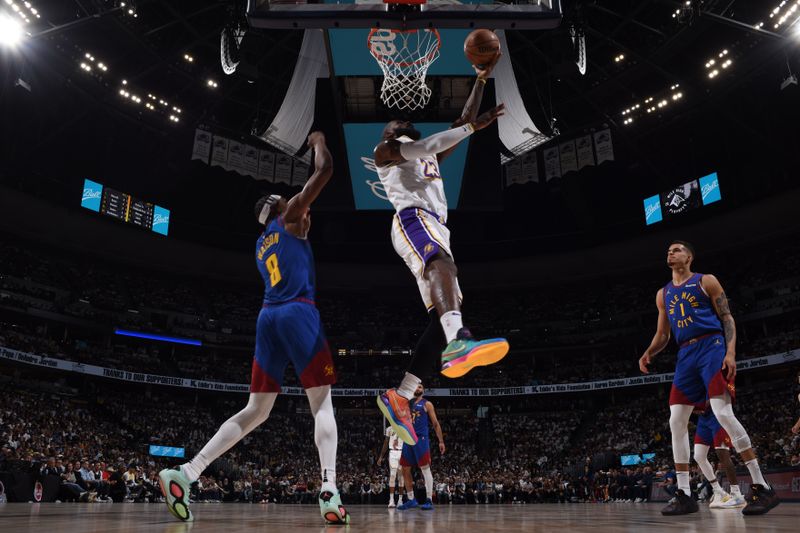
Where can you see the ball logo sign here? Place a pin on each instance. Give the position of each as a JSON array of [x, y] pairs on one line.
[[709, 186], [92, 194]]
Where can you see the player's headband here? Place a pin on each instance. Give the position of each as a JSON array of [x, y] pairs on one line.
[[264, 215]]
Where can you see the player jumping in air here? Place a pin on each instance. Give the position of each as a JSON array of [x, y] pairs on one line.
[[419, 454], [696, 309], [288, 329], [710, 433], [408, 167], [394, 445]]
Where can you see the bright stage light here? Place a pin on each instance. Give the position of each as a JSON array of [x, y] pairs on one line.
[[10, 31]]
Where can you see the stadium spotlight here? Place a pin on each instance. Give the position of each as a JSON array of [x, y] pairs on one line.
[[10, 31]]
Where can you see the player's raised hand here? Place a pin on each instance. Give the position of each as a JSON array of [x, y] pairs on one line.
[[441, 447], [316, 138], [644, 361], [484, 119], [484, 71]]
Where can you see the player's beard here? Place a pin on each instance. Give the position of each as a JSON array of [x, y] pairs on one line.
[[411, 133], [418, 394]]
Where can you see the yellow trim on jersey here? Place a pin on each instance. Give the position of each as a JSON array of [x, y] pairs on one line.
[[429, 232]]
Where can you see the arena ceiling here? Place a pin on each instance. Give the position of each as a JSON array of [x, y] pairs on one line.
[[68, 116]]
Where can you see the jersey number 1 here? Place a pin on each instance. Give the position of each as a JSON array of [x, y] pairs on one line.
[[274, 271]]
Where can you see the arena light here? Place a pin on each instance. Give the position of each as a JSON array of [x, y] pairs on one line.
[[619, 58], [188, 58], [155, 337], [10, 31], [212, 84]]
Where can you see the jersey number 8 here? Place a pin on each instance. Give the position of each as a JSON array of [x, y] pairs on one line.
[[274, 271]]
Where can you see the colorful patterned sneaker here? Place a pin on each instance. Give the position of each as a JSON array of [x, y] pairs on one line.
[[410, 504], [719, 499], [464, 353], [395, 408], [331, 508], [760, 500], [175, 488], [427, 506], [733, 501], [680, 504]]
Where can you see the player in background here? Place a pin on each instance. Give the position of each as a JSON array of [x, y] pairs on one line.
[[796, 426], [710, 433], [394, 445], [408, 167], [419, 454], [695, 309], [288, 329]]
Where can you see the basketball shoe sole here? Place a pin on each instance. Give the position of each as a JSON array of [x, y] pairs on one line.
[[462, 355], [175, 488], [332, 510], [399, 416]]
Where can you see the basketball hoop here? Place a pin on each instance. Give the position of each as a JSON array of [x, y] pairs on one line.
[[404, 57]]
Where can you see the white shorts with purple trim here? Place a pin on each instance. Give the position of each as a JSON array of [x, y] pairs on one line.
[[418, 236]]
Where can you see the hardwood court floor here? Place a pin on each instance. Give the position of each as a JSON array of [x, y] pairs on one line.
[[231, 517]]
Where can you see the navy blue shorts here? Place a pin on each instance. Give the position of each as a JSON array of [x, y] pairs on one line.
[[698, 373], [417, 455], [710, 432], [290, 331]]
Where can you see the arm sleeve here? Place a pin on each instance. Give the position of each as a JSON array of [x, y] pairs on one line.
[[436, 143]]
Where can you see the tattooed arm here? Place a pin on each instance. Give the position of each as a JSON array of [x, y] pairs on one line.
[[713, 287]]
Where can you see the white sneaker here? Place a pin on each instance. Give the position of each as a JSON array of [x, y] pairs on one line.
[[391, 503], [732, 501], [718, 500]]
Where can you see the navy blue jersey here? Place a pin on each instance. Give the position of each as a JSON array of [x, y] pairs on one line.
[[286, 264], [420, 417], [689, 310]]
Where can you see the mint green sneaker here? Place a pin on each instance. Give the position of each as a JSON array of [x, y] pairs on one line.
[[175, 488], [464, 353], [331, 508]]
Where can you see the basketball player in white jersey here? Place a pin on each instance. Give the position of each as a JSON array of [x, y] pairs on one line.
[[394, 445], [408, 167]]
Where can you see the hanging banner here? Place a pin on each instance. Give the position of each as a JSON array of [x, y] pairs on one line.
[[219, 152], [569, 161], [250, 161], [283, 169], [266, 166], [202, 145], [603, 147], [513, 170], [174, 381], [585, 153], [530, 167], [552, 165], [299, 174], [236, 156]]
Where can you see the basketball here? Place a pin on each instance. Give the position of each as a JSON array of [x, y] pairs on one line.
[[481, 46]]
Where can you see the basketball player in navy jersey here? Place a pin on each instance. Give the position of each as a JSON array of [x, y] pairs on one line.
[[419, 454], [694, 307], [408, 167], [288, 329]]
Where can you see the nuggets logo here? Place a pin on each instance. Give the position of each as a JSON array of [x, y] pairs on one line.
[[328, 370], [682, 303], [731, 387]]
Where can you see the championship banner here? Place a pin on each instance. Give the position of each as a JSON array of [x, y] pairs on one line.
[[530, 167], [202, 145], [236, 156], [585, 154], [603, 147], [283, 169], [569, 161], [244, 388], [219, 152], [266, 166], [513, 171], [552, 166], [299, 174], [250, 162]]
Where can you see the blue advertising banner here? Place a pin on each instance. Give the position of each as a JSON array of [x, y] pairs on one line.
[[368, 192], [709, 185], [652, 210], [92, 193], [351, 56], [160, 220], [167, 451]]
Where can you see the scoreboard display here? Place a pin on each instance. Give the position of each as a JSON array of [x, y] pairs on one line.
[[125, 207], [689, 196]]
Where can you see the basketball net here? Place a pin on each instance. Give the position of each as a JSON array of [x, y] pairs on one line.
[[404, 57]]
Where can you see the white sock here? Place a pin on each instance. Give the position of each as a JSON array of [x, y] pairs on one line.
[[755, 473], [451, 323], [735, 490], [408, 386], [325, 434], [428, 477], [715, 485], [683, 482], [232, 431]]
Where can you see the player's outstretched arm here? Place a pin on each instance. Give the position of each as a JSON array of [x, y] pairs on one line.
[[436, 427], [661, 338], [714, 290], [323, 170]]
